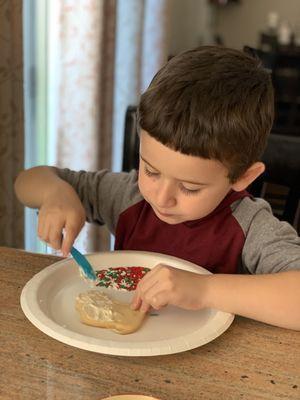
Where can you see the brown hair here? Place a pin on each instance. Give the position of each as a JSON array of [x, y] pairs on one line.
[[212, 102]]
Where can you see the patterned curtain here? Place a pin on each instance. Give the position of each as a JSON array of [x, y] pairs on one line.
[[11, 121], [109, 51], [92, 53], [142, 42], [85, 93]]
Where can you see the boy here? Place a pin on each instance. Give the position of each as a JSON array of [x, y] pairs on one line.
[[204, 124]]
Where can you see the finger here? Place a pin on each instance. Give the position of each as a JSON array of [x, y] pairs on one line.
[[152, 273], [140, 291], [69, 237], [159, 301], [145, 307], [151, 286], [41, 223], [147, 293], [136, 302], [156, 297], [55, 236], [43, 231], [148, 281]]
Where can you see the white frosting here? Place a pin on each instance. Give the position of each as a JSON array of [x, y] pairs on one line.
[[96, 305], [92, 283]]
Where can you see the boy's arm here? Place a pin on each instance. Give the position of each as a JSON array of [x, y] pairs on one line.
[[104, 194], [270, 298], [34, 185], [60, 208], [271, 254], [271, 293], [73, 197]]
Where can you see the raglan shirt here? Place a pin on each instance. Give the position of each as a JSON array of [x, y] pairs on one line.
[[240, 236]]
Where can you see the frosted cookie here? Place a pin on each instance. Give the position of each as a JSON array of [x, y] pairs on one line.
[[95, 308], [121, 278]]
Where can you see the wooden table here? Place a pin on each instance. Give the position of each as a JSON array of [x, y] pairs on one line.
[[250, 360]]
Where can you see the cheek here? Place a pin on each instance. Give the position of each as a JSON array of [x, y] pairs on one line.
[[143, 183], [147, 186], [212, 199], [204, 204], [193, 206]]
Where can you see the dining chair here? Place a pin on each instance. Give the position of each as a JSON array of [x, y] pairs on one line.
[[284, 66], [280, 183], [131, 140]]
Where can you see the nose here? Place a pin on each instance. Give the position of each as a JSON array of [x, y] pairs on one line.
[[165, 195]]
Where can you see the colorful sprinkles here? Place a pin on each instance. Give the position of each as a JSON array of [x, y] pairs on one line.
[[121, 278]]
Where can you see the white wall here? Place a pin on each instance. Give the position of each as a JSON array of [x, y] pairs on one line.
[[194, 21], [190, 24], [240, 24]]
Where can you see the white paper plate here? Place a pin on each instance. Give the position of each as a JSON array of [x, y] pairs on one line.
[[48, 301]]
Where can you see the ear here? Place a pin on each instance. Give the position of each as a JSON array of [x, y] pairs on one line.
[[248, 176]]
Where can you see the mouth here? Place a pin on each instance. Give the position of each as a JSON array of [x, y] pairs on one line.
[[166, 215]]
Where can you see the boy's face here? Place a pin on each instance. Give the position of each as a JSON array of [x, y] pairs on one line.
[[179, 187]]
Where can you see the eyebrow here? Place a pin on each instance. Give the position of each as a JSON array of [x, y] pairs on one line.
[[181, 180]]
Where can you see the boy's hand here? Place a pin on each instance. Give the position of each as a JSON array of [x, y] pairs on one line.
[[61, 218], [165, 285]]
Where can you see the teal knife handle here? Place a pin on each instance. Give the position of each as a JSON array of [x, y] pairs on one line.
[[83, 263]]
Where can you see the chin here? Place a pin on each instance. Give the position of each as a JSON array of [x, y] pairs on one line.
[[171, 220]]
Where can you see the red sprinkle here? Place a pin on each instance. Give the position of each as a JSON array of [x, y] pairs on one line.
[[122, 278]]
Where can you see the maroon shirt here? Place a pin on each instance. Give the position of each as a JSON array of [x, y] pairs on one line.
[[240, 233], [214, 242]]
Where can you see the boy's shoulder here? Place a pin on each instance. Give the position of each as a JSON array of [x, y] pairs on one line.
[[270, 245], [247, 209]]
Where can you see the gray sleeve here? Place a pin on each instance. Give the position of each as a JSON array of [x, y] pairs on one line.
[[271, 245], [103, 194]]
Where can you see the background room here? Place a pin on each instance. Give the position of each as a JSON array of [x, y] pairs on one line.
[[70, 70]]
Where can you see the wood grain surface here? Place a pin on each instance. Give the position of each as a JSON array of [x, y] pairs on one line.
[[250, 360]]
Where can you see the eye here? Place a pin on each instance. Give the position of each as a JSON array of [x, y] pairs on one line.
[[150, 173], [188, 192]]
